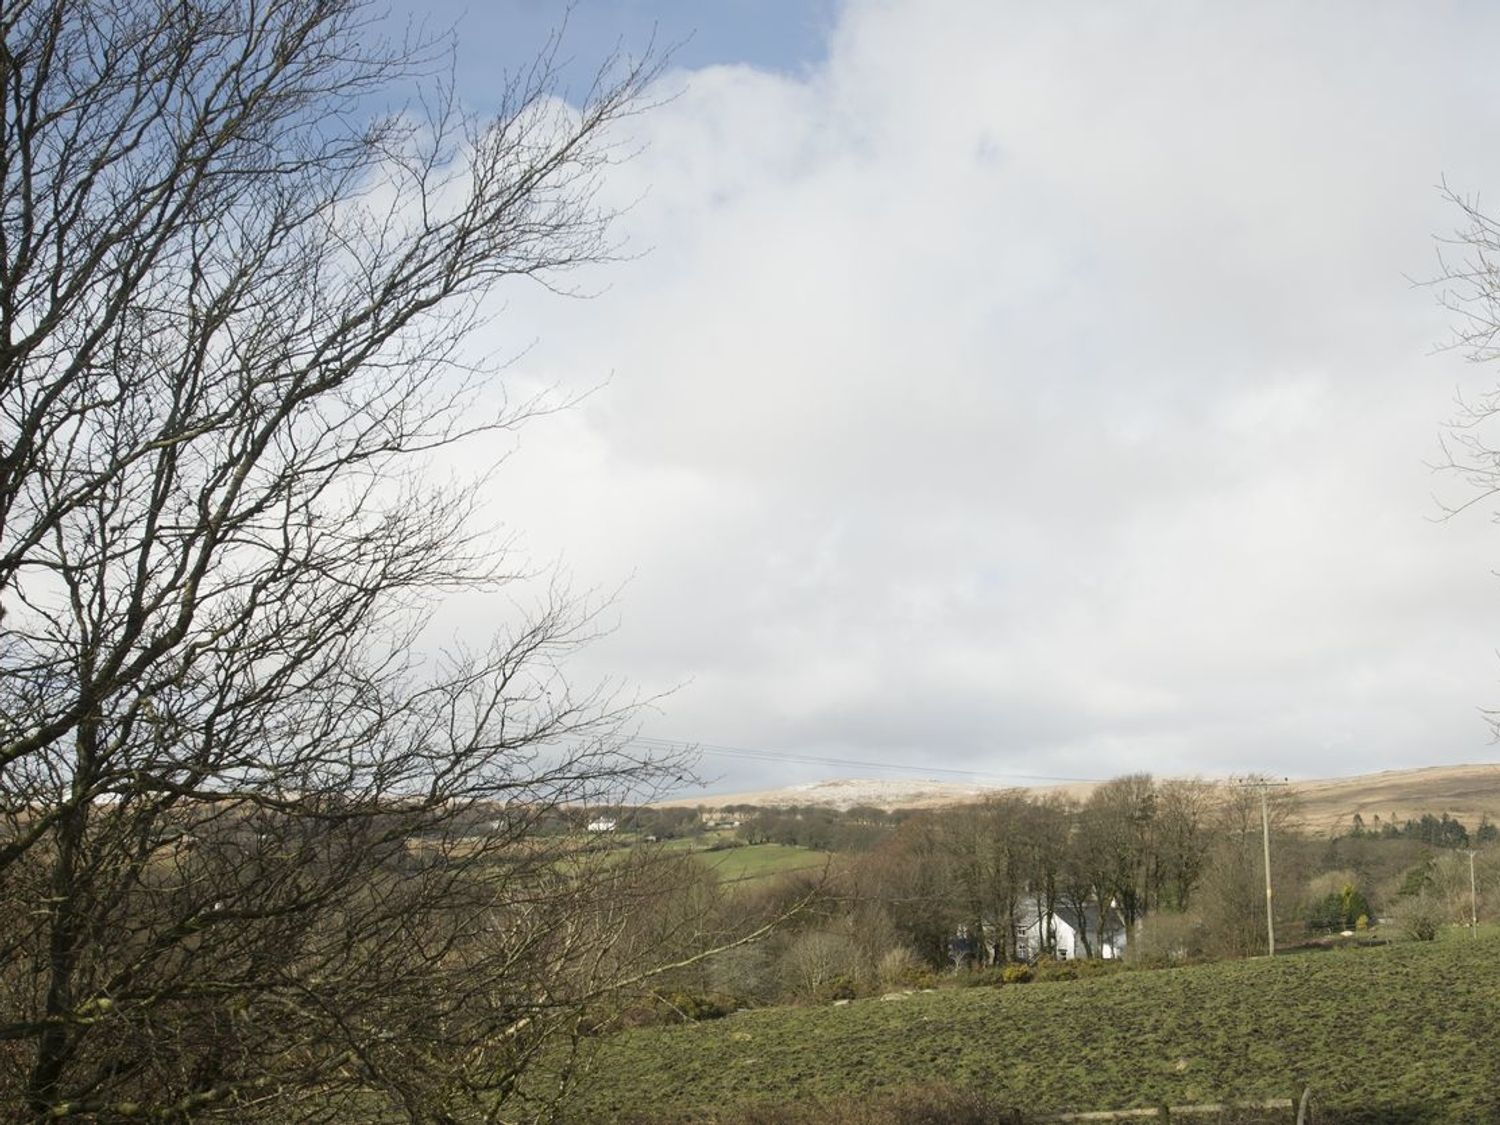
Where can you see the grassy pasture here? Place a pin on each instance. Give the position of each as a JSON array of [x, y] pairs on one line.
[[1405, 1033], [737, 864], [760, 861]]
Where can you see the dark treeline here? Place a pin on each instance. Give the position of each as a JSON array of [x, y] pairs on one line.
[[1443, 832], [858, 829]]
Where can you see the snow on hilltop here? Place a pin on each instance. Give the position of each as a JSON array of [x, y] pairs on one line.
[[845, 793]]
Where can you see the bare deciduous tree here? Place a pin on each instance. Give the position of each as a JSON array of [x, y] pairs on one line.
[[1468, 286], [1182, 827], [255, 858], [1232, 895], [1118, 821]]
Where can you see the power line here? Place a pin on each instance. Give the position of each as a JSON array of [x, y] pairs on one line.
[[747, 753]]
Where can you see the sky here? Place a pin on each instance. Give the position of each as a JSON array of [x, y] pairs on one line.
[[1029, 390]]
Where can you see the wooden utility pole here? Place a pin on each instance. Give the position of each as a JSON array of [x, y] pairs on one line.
[[1263, 784], [1265, 839], [1473, 900]]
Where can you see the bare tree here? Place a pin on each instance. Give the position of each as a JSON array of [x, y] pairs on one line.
[[1232, 892], [1183, 812], [1468, 286], [1049, 826], [256, 858], [1118, 821], [911, 874]]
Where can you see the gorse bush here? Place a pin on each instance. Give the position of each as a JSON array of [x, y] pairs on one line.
[[699, 1006], [1047, 969]]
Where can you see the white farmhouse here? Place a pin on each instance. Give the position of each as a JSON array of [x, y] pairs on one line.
[[1038, 933]]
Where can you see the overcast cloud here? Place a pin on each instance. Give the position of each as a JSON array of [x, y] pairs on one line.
[[1036, 389]]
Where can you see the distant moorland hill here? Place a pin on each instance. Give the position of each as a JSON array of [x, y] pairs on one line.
[[1465, 792]]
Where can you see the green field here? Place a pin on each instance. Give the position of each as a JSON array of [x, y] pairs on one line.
[[1404, 1033], [743, 862], [757, 861]]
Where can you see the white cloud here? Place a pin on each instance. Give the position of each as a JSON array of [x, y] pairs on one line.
[[1038, 390]]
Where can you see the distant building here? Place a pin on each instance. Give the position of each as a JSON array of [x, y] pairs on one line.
[[603, 824], [1060, 933]]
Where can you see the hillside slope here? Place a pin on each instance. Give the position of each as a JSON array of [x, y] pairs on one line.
[[1402, 1033], [1466, 792]]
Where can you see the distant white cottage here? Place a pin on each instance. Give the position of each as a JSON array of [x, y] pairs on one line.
[[1059, 933], [603, 824]]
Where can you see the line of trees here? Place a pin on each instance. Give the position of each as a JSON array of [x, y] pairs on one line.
[[1181, 862], [908, 896], [1134, 847]]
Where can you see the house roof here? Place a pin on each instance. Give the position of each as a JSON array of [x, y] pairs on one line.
[[1028, 916]]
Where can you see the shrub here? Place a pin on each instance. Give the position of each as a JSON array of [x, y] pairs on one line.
[[745, 971], [815, 960], [1017, 973], [664, 1007], [1097, 967], [1048, 969], [638, 1015], [923, 978], [839, 988], [1165, 938], [1418, 916], [700, 1006], [987, 976], [900, 967]]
